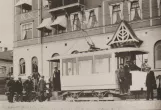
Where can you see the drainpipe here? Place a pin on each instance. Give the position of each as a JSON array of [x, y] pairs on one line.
[[39, 33]]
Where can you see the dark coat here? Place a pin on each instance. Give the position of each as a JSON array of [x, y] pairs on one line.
[[42, 85], [28, 85], [56, 81], [150, 80], [19, 86], [11, 85]]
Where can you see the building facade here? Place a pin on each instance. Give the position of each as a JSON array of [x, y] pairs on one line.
[[47, 28], [6, 67]]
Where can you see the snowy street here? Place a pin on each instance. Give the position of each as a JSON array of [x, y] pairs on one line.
[[116, 105]]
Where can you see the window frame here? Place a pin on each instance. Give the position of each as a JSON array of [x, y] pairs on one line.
[[20, 67], [158, 43], [102, 57], [135, 8], [66, 61], [27, 29]]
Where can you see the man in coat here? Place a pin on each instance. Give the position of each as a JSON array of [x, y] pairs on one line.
[[121, 79], [19, 89], [158, 82], [36, 77], [56, 80], [28, 86], [11, 87], [150, 83], [42, 88]]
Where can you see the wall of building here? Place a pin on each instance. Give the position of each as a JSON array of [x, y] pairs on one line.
[[76, 40], [8, 65]]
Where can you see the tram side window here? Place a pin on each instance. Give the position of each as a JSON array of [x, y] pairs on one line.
[[85, 65], [102, 64], [69, 67]]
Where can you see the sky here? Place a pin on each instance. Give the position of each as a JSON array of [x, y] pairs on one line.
[[6, 23]]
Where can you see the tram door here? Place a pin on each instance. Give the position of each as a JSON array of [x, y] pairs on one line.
[[55, 74]]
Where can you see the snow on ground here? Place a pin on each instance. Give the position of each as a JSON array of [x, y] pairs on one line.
[[60, 105]]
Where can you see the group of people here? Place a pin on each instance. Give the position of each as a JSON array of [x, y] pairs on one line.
[[153, 83], [25, 88], [125, 79], [34, 85]]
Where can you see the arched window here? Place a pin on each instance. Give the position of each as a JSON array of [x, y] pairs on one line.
[[22, 66], [56, 63], [34, 64], [75, 52], [54, 55], [157, 55]]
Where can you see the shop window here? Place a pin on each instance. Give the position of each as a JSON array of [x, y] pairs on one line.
[[22, 66], [26, 31], [34, 64], [157, 54]]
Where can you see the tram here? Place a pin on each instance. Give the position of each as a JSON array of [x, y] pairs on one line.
[[93, 73]]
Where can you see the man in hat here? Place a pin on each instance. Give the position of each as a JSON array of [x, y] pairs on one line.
[[11, 86], [56, 80], [28, 86], [150, 83], [121, 79], [42, 88], [19, 89], [144, 65]]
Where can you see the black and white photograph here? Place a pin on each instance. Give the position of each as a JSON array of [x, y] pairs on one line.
[[80, 54]]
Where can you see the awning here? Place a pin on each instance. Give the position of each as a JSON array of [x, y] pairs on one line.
[[61, 21], [46, 24], [21, 2]]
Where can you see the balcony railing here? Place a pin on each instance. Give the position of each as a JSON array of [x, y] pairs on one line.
[[61, 4], [26, 16]]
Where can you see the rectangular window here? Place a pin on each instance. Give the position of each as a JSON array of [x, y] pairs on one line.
[[69, 67], [26, 31], [102, 64], [135, 11], [93, 21], [85, 65], [76, 23], [116, 14]]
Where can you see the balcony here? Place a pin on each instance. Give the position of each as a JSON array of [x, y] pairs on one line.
[[26, 16], [69, 5]]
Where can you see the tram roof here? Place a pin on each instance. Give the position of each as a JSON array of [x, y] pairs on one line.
[[101, 52]]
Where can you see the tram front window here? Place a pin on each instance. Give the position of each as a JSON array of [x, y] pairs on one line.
[[133, 59]]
